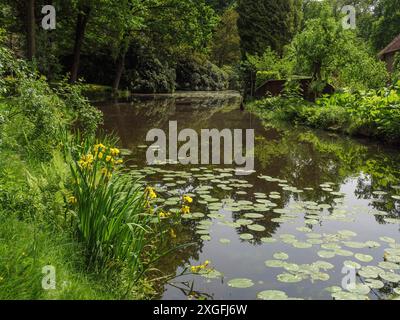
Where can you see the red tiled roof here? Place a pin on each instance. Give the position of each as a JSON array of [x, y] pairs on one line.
[[392, 47]]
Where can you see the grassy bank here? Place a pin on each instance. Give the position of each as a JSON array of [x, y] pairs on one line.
[[374, 113], [73, 223]]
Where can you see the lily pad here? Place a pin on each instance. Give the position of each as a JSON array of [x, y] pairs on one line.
[[289, 278], [363, 257], [240, 283], [246, 236], [272, 295], [281, 256], [256, 227]]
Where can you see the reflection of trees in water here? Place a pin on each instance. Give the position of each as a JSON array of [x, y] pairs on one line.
[[132, 120], [181, 256], [307, 160]]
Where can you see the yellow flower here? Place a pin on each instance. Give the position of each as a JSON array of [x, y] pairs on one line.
[[119, 161], [187, 199], [72, 200], [114, 152], [173, 234], [86, 161], [185, 209], [108, 158], [203, 266], [100, 155], [151, 193], [99, 147]]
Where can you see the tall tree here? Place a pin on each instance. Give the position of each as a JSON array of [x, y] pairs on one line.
[[84, 10], [267, 23], [166, 24], [387, 26], [226, 41], [31, 29]]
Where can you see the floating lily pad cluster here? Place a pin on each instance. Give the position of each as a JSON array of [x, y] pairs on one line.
[[221, 197]]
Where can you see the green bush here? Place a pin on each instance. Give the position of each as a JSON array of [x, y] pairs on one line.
[[372, 113], [197, 75]]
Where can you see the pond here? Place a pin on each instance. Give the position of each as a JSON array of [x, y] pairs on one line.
[[319, 207]]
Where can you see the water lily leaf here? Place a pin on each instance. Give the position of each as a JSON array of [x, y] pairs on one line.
[[275, 263], [372, 244], [390, 276], [323, 265], [256, 227], [268, 240], [272, 295], [301, 245], [292, 267], [343, 253], [253, 216], [389, 265], [320, 276], [210, 274], [202, 232], [281, 256], [240, 283], [354, 244], [326, 254], [387, 239], [363, 257], [244, 222], [359, 288], [246, 236], [352, 264], [333, 289], [331, 246], [374, 284], [224, 241], [343, 295], [205, 238], [289, 278], [347, 233]]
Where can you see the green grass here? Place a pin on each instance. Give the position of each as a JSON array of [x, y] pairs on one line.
[[25, 248]]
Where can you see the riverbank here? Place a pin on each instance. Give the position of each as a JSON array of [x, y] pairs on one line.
[[73, 223], [374, 114]]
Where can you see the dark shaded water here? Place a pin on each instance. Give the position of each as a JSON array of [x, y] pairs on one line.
[[314, 197]]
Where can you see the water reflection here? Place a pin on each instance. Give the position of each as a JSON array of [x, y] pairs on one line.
[[306, 183]]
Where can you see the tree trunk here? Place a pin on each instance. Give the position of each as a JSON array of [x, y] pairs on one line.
[[31, 33], [81, 23], [119, 72]]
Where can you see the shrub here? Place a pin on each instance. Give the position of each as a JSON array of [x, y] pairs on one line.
[[194, 74]]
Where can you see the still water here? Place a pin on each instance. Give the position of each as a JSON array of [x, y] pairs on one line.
[[317, 203]]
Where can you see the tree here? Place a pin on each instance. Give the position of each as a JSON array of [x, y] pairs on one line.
[[173, 26], [329, 53], [84, 8], [226, 42], [387, 25], [220, 5], [267, 23], [31, 29]]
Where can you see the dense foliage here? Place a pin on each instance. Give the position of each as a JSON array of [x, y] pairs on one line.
[[64, 198], [372, 113]]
